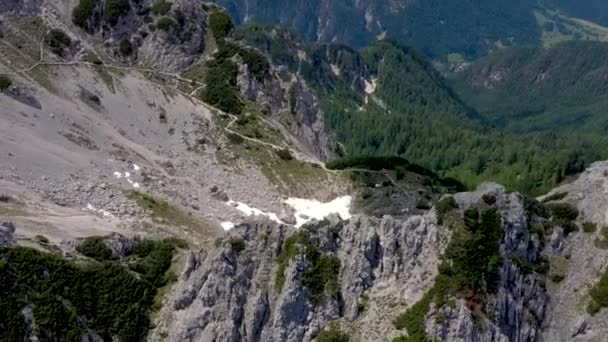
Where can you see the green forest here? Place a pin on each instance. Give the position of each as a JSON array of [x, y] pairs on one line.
[[71, 298], [414, 113]]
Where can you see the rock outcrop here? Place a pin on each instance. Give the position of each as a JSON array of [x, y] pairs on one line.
[[519, 306], [231, 295]]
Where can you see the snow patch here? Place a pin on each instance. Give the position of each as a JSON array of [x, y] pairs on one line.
[[227, 225], [127, 176], [91, 209], [370, 86], [250, 211], [335, 69], [307, 210]]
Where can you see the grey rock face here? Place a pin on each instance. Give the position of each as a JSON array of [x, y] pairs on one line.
[[7, 234], [520, 304], [181, 45], [293, 105], [20, 7], [229, 296]]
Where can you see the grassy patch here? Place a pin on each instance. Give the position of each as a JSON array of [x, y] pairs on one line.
[[558, 196], [162, 210], [599, 295], [589, 227], [333, 334], [558, 269]]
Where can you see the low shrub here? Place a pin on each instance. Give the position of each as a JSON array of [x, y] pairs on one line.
[[562, 211], [161, 7], [237, 244], [489, 199], [220, 24], [95, 248], [125, 47], [589, 227], [115, 9], [165, 23], [58, 41], [284, 154], [444, 206], [5, 82], [235, 138], [558, 196], [333, 334], [83, 11]]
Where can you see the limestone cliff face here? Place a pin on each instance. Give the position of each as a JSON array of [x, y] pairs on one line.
[[287, 100], [386, 265], [228, 295], [518, 309]]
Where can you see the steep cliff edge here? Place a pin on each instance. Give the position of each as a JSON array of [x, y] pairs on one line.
[[272, 283]]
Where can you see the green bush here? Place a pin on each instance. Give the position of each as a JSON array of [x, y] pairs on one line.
[[83, 11], [589, 227], [599, 293], [284, 154], [489, 199], [291, 248], [41, 239], [562, 211], [555, 197], [125, 47], [221, 89], [161, 7], [95, 248], [257, 64], [220, 24], [58, 41], [5, 82], [235, 138], [524, 266], [115, 9], [444, 206], [165, 23], [237, 244], [333, 334]]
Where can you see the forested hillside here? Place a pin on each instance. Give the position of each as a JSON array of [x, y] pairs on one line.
[[558, 89], [447, 30], [594, 10], [387, 100], [437, 28]]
